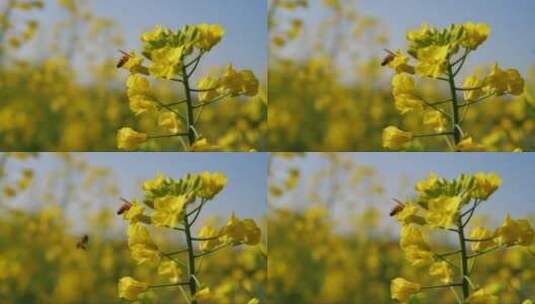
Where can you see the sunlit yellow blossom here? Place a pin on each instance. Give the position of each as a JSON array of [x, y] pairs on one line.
[[486, 184], [141, 103], [443, 211], [432, 61], [515, 232], [129, 288], [474, 34], [166, 62], [134, 213], [134, 63], [418, 256], [137, 85], [481, 233], [156, 34], [212, 184], [427, 184], [201, 144], [419, 34], [142, 247], [435, 119], [139, 94], [168, 120], [168, 210], [412, 236], [209, 233], [155, 183], [209, 36], [473, 82], [170, 270], [394, 138], [208, 86], [407, 215], [400, 63], [442, 270], [402, 290], [481, 296], [128, 139]]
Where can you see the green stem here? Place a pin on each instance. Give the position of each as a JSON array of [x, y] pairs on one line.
[[191, 261], [454, 105], [189, 104], [464, 261]]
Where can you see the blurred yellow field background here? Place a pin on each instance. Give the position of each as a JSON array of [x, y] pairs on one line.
[[331, 239], [44, 214], [61, 90], [328, 91]]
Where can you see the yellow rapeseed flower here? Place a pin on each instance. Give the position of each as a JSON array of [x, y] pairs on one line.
[[481, 233], [432, 61], [212, 184], [128, 139], [170, 271], [481, 296], [442, 269], [443, 211], [129, 288], [166, 62], [486, 184], [474, 35], [209, 36], [394, 138], [168, 210], [168, 121], [402, 290]]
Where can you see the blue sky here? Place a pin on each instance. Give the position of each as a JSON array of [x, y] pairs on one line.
[[516, 195], [245, 41], [244, 194], [511, 42]]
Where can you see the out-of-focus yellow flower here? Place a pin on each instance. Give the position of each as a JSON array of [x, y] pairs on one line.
[[468, 145], [515, 232], [208, 86], [394, 138], [474, 35], [435, 119], [481, 296], [9, 191], [256, 301], [128, 139], [238, 231], [486, 184], [129, 288], [166, 62], [139, 94], [201, 145], [473, 81], [442, 270], [204, 294], [432, 61], [402, 290], [170, 271], [236, 83], [208, 232], [209, 36], [501, 82], [212, 184], [169, 210], [443, 211], [169, 121], [156, 34], [481, 233]]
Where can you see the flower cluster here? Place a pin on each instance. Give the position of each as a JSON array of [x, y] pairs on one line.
[[440, 54], [176, 205], [174, 56], [449, 205]]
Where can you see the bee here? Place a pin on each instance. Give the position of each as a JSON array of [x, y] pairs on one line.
[[124, 207], [397, 208], [123, 59], [389, 57], [82, 242]]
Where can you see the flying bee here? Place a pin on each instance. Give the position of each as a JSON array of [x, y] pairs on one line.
[[397, 208], [82, 242], [124, 207], [123, 59], [389, 57]]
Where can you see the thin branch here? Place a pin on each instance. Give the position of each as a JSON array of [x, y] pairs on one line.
[[433, 134], [448, 253], [212, 251], [199, 239], [169, 285], [469, 103], [432, 105], [168, 135], [481, 240], [441, 286], [212, 101], [469, 89], [484, 251], [177, 252]]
